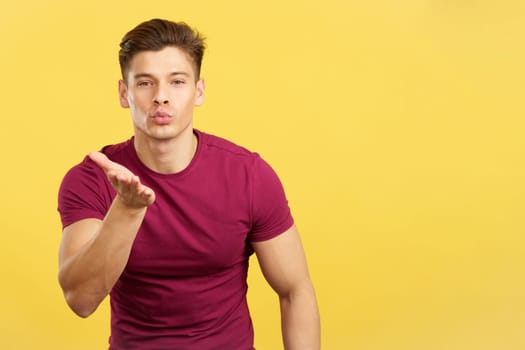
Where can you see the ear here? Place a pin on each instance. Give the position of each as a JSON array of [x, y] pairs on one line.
[[123, 94], [199, 93]]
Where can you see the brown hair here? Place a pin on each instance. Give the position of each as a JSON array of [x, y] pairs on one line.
[[156, 34]]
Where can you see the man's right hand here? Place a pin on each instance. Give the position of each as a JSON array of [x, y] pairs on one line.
[[128, 186], [93, 253]]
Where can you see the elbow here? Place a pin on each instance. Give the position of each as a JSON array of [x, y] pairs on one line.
[[78, 301], [80, 306]]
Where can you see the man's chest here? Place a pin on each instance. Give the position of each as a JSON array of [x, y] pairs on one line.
[[191, 235]]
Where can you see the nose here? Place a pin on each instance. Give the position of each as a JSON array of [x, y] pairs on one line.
[[160, 97], [161, 101]]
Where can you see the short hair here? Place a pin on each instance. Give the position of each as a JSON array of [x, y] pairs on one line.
[[156, 34]]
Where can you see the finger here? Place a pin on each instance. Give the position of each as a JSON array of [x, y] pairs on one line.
[[144, 191], [116, 177], [101, 160], [148, 195], [135, 181], [139, 189], [129, 187], [130, 184], [112, 177], [121, 181]]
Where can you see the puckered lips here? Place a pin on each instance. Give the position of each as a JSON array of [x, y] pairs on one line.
[[161, 117]]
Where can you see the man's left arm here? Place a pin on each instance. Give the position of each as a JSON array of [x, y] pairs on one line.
[[283, 264]]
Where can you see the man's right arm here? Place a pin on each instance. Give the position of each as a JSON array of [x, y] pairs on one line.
[[93, 253]]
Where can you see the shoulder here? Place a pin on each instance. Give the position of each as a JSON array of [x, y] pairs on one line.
[[216, 149], [85, 191], [88, 174], [88, 168], [213, 143]]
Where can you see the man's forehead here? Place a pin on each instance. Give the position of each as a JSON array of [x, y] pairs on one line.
[[168, 61], [168, 54]]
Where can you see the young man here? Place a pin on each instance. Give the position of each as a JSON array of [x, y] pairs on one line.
[[166, 221]]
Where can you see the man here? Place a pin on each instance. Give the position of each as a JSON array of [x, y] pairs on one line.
[[166, 221]]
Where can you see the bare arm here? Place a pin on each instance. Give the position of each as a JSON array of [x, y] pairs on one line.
[[93, 253], [284, 266]]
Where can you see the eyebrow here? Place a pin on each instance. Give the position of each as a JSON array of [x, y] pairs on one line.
[[148, 75]]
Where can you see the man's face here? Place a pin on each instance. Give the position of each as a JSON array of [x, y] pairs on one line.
[[161, 92]]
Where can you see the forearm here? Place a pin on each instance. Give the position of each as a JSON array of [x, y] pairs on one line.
[[300, 320], [88, 276]]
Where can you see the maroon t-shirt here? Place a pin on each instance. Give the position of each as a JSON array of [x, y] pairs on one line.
[[184, 286]]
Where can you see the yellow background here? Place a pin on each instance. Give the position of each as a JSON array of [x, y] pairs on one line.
[[396, 127]]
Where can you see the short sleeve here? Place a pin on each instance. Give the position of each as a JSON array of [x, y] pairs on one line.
[[84, 193], [270, 212]]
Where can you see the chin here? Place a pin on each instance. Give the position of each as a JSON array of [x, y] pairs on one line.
[[165, 134]]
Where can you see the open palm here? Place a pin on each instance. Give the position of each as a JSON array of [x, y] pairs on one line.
[[128, 186]]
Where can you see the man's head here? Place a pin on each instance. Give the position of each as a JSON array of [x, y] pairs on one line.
[[156, 34]]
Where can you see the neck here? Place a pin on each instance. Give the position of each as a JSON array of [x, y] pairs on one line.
[[168, 156]]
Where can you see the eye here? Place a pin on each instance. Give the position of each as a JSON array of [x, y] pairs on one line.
[[144, 83], [178, 82]]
